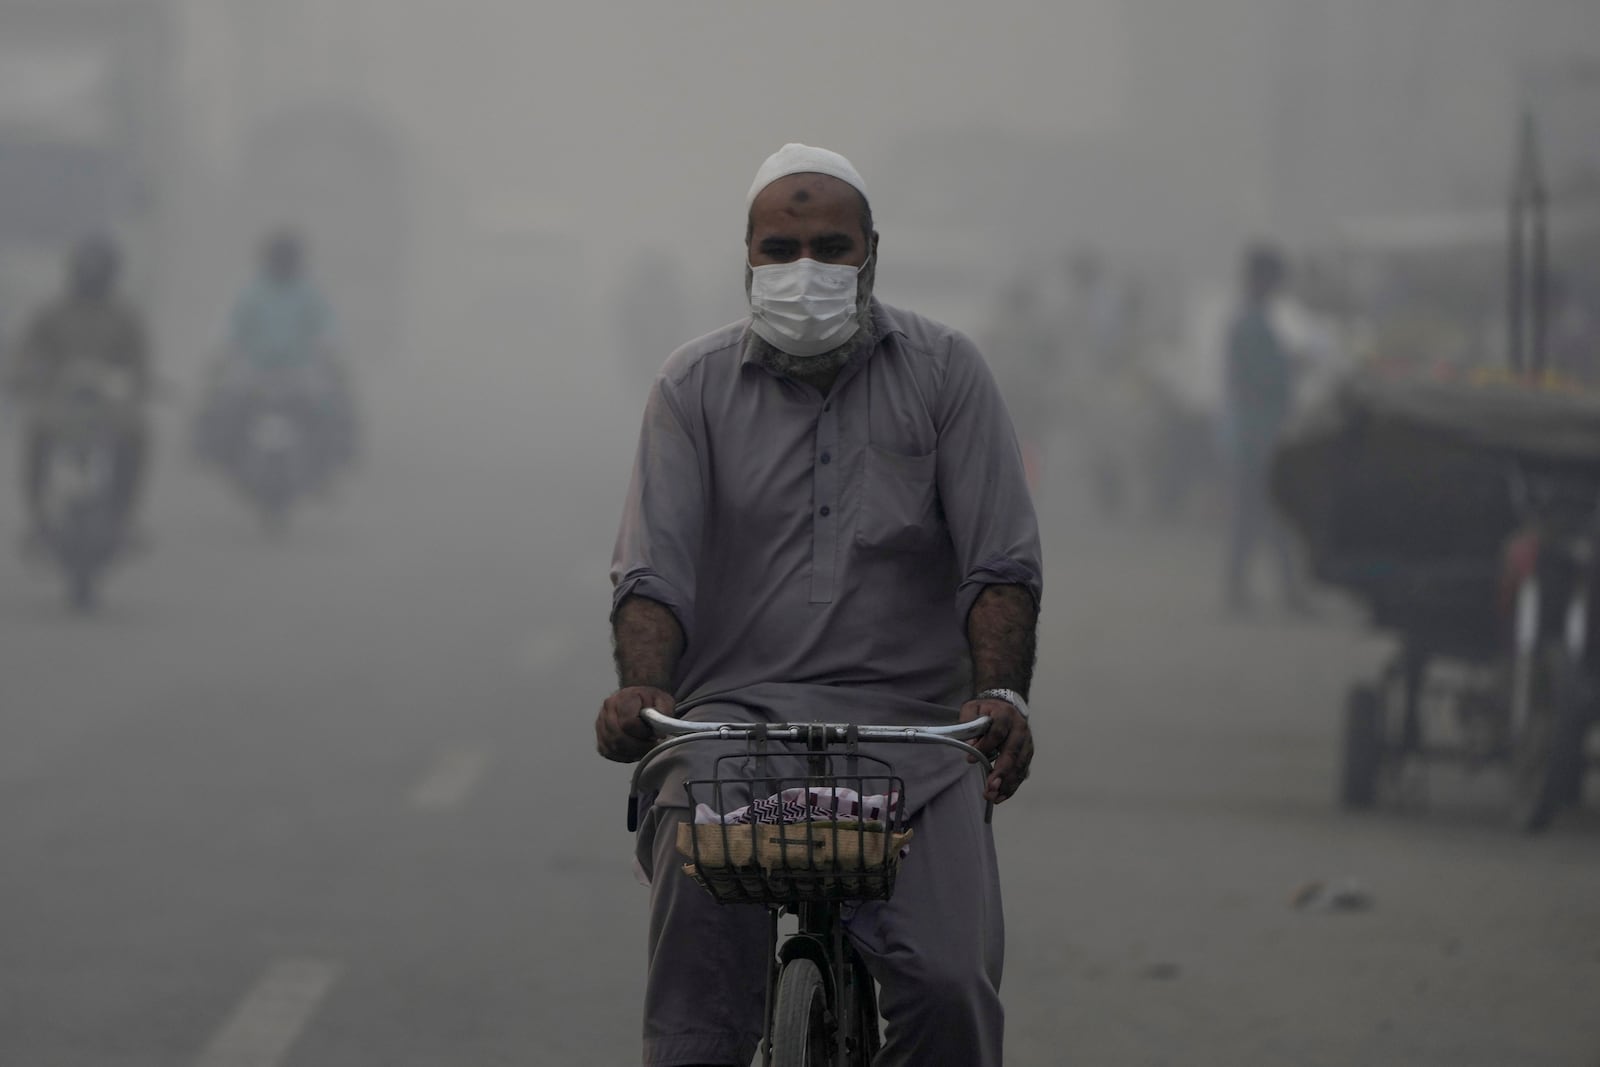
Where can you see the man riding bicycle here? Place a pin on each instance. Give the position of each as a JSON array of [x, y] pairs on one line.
[[828, 519]]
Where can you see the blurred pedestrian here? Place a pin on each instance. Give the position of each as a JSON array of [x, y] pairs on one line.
[[1024, 353], [1259, 379], [1100, 381]]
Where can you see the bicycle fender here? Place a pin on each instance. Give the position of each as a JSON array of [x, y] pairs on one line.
[[804, 946]]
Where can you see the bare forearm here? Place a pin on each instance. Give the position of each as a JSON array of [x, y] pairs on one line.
[[1002, 632], [647, 643]]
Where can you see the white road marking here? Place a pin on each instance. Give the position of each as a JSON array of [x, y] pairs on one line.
[[450, 779], [272, 1016]]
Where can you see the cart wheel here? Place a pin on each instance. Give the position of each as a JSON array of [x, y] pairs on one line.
[[800, 1033], [1363, 747], [1547, 754]]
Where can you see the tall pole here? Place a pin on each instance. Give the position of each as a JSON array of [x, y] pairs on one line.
[[1515, 266], [1538, 208], [1527, 261]]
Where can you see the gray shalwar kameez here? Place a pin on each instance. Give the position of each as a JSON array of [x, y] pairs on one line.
[[821, 554]]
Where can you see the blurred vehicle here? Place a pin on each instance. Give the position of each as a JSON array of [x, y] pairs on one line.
[[1461, 501], [278, 416], [1466, 517], [1550, 584], [85, 429], [89, 136], [81, 371], [274, 435]]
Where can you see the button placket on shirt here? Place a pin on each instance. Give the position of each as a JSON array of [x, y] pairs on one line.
[[825, 514]]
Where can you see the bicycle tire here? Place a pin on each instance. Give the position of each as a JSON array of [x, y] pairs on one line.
[[1547, 756], [800, 1032]]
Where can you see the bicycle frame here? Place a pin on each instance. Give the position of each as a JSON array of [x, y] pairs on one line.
[[820, 936]]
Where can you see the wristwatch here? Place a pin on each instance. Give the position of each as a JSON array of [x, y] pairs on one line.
[[1010, 696]]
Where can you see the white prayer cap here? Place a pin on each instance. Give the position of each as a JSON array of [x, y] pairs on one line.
[[798, 158]]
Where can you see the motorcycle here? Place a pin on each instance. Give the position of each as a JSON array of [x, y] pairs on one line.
[[268, 434], [1499, 664], [87, 426], [276, 464], [1548, 587]]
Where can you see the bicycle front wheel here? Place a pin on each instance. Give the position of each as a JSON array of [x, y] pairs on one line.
[[801, 1036]]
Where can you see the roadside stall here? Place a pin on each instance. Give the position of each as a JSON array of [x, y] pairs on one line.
[[1452, 486]]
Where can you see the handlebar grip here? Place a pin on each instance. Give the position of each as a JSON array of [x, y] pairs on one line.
[[667, 726]]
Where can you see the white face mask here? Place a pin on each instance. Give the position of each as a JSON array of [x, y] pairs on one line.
[[804, 308]]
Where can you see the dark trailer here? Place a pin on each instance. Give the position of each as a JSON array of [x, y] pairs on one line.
[[1458, 499]]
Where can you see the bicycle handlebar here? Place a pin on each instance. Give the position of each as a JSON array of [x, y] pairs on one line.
[[677, 732], [666, 726]]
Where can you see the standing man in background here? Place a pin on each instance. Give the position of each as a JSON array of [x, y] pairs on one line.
[[1094, 347], [1260, 396], [1024, 354]]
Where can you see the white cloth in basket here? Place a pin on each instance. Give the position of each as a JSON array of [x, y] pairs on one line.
[[817, 803]]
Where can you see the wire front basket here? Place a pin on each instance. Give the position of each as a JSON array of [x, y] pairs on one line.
[[801, 838]]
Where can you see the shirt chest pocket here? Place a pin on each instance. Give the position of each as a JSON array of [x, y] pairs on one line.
[[899, 501]]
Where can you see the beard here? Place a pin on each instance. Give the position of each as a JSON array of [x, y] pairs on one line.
[[828, 364]]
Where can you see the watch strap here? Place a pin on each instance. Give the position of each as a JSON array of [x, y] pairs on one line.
[[1010, 696]]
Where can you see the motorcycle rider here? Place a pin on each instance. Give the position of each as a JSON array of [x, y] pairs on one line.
[[87, 330], [282, 331], [282, 320]]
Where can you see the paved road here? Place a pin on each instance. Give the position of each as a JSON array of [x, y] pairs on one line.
[[333, 802]]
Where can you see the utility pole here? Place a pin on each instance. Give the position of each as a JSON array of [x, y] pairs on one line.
[[1527, 258], [1540, 86]]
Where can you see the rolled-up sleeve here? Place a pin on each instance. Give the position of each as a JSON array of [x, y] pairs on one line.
[[659, 539], [983, 487]]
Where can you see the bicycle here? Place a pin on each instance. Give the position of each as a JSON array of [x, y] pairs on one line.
[[812, 843]]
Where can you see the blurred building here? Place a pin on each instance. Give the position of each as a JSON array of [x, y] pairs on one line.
[[187, 128], [87, 136], [1289, 117], [1243, 118], [283, 130]]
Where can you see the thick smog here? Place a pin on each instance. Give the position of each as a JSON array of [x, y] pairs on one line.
[[1045, 532]]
